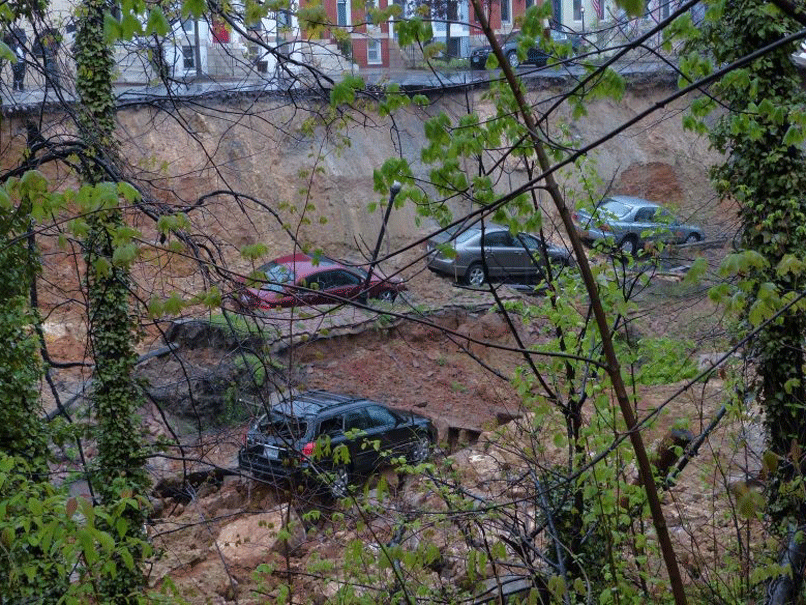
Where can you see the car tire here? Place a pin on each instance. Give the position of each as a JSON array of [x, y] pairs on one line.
[[387, 296], [339, 482], [474, 276], [693, 238], [629, 245], [512, 59], [421, 449]]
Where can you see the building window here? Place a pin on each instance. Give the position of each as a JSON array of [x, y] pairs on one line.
[[577, 10], [187, 26], [373, 51], [530, 3], [505, 12], [188, 57], [341, 12], [283, 19], [665, 8], [370, 6]]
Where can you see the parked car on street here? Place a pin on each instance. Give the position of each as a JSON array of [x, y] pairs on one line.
[[537, 54], [506, 255], [301, 439], [630, 222], [300, 279]]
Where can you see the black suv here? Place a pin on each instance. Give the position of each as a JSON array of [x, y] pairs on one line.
[[301, 438]]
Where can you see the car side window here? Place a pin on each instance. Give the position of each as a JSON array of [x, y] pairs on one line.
[[344, 278], [499, 239], [379, 416], [530, 241], [320, 281], [644, 215], [666, 217], [331, 426], [355, 419]]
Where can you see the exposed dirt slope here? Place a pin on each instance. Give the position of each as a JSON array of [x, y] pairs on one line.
[[266, 156]]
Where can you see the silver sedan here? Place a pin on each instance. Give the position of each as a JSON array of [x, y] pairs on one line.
[[457, 252], [630, 222]]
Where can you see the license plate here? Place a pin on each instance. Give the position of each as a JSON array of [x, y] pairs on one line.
[[271, 452]]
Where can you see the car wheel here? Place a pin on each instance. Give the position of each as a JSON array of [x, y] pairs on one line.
[[339, 482], [474, 275], [629, 245], [387, 296], [421, 449], [693, 237], [512, 59]]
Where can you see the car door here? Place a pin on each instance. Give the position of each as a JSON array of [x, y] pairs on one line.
[[317, 287], [533, 259], [644, 224], [345, 284], [357, 438], [503, 254], [384, 426], [331, 429], [536, 54], [670, 225]]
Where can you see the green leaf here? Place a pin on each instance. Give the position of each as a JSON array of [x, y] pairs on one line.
[[5, 201], [102, 267], [793, 136], [35, 506], [254, 251], [174, 304], [749, 503], [130, 26], [33, 182], [128, 560], [113, 31], [157, 23], [105, 541], [125, 255], [194, 8], [129, 193], [344, 91], [5, 53]]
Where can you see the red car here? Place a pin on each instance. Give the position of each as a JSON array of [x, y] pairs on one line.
[[299, 279]]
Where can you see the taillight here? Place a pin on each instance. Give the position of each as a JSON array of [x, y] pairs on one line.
[[307, 451]]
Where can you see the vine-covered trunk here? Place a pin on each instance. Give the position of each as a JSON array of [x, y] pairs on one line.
[[762, 133], [23, 436], [766, 173], [118, 476]]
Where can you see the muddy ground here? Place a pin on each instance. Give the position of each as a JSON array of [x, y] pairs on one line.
[[423, 354]]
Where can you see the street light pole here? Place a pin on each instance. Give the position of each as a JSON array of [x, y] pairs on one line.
[[393, 191], [582, 11]]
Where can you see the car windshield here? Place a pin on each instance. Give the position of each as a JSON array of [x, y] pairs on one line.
[[283, 427], [614, 208], [276, 275]]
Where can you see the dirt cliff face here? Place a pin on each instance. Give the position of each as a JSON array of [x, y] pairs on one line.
[[320, 182], [295, 176]]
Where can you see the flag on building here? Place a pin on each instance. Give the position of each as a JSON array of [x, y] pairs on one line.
[[597, 8]]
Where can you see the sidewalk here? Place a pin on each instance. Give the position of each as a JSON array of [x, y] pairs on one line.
[[410, 80]]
